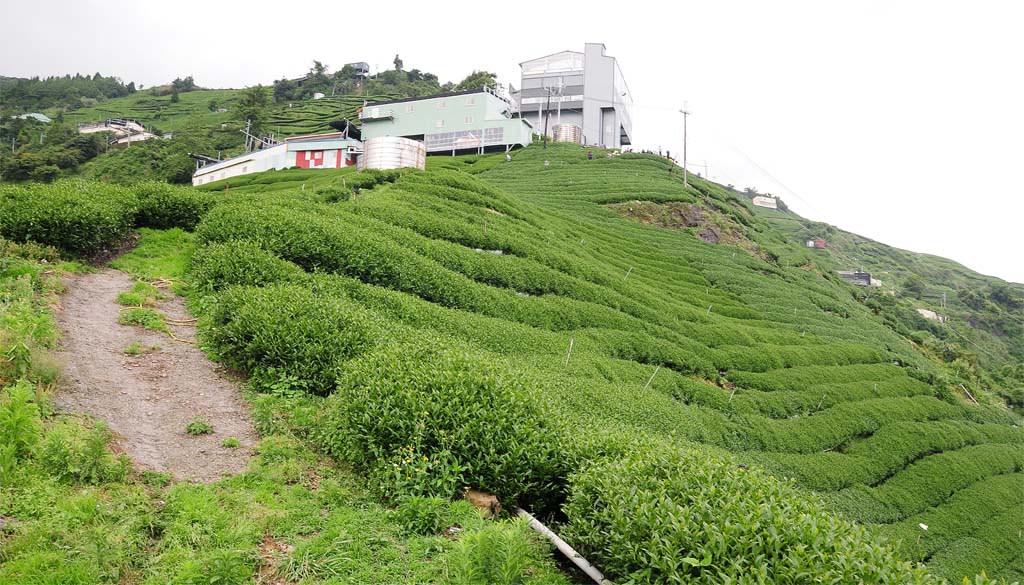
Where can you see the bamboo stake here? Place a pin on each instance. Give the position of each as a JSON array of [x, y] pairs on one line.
[[565, 549], [969, 395], [568, 355], [651, 379]]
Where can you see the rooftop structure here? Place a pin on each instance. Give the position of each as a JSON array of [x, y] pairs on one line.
[[586, 89], [858, 278], [463, 121], [35, 116], [315, 151]]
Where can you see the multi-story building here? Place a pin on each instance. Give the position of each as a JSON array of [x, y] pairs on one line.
[[586, 89], [457, 122]]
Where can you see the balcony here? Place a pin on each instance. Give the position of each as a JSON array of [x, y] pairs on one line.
[[376, 113]]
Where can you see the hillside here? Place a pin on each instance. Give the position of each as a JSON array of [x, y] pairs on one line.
[[702, 404], [760, 354], [982, 326]]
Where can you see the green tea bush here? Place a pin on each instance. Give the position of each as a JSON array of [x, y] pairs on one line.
[[75, 216], [430, 418], [688, 517], [928, 482], [238, 262], [164, 206], [963, 514], [292, 331]]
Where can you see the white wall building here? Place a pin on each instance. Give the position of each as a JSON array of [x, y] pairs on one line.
[[316, 151]]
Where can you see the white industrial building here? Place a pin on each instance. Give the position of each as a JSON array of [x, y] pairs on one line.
[[585, 89], [316, 151]]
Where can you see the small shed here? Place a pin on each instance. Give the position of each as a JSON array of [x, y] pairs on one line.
[[816, 243]]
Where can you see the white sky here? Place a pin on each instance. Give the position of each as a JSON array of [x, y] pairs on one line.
[[898, 120]]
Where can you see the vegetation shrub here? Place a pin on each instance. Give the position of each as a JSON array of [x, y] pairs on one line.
[[75, 216], [76, 454], [505, 553], [687, 517], [429, 418], [237, 262], [164, 206], [928, 482], [290, 331]]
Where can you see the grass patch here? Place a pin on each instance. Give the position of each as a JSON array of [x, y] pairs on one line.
[[160, 254], [142, 294], [146, 318], [199, 426], [230, 443]]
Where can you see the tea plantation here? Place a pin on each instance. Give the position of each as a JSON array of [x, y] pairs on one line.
[[680, 411]]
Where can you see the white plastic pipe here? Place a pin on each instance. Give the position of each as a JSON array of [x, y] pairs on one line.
[[565, 549]]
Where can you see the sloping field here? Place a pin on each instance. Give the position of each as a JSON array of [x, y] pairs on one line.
[[193, 111], [643, 333], [680, 411]]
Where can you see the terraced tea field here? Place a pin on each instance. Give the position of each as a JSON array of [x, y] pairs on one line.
[[723, 346], [681, 411]]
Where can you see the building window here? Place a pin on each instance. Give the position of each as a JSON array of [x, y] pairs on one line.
[[439, 123], [245, 169], [469, 119], [409, 108], [441, 105], [471, 101]]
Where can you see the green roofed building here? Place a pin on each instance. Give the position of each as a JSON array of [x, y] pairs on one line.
[[459, 122]]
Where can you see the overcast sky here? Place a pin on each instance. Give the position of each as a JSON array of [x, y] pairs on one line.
[[900, 121]]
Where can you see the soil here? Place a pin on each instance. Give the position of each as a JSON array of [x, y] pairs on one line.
[[148, 399]]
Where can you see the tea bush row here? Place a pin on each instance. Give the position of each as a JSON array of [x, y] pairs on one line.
[[684, 516], [995, 547], [785, 404], [285, 330], [964, 513], [429, 418], [84, 218], [887, 451], [928, 482]]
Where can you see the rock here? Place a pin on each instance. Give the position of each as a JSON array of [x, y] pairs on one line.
[[485, 502]]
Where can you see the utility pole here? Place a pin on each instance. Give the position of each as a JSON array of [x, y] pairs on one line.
[[686, 114], [558, 120], [547, 116]]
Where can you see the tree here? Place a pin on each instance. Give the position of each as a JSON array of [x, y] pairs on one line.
[[478, 79], [252, 105], [174, 95], [915, 286], [398, 63], [212, 105]]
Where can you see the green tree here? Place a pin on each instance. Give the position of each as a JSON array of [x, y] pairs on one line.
[[914, 286], [252, 105], [174, 95], [476, 80]]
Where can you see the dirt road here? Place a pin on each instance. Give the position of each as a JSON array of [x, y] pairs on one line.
[[148, 399]]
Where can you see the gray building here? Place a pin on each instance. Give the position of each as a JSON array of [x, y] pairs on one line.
[[586, 89]]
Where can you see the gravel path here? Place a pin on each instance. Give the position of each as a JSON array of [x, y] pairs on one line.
[[148, 399]]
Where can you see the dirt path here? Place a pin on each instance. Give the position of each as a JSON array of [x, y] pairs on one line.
[[148, 399]]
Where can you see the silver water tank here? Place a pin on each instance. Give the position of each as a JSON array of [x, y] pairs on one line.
[[392, 152], [567, 133]]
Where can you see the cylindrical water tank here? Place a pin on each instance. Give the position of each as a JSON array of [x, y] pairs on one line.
[[392, 152], [567, 133]]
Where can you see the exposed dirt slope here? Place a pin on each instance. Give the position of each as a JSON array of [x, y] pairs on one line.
[[148, 399]]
